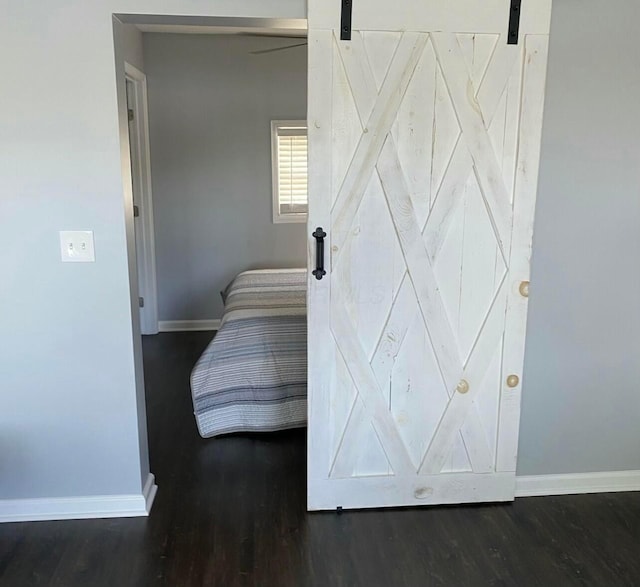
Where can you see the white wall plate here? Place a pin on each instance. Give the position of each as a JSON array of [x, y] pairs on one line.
[[76, 246]]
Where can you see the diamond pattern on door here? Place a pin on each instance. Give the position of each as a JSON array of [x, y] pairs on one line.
[[418, 326]]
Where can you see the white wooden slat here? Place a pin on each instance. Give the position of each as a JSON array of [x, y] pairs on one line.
[[347, 129], [374, 133], [410, 490], [487, 401], [476, 441], [488, 339], [453, 185], [351, 443], [479, 268], [342, 402], [413, 133], [446, 130], [403, 312], [418, 394], [447, 268], [468, 287], [477, 291], [511, 123], [535, 60], [372, 459], [496, 132], [365, 299], [361, 83], [368, 282], [363, 87], [420, 270], [496, 79], [427, 293], [400, 205], [447, 199], [321, 362], [369, 392], [486, 167], [402, 315], [347, 132], [499, 98], [373, 280], [453, 278], [380, 47], [461, 403], [448, 272], [478, 52], [359, 452], [458, 460]]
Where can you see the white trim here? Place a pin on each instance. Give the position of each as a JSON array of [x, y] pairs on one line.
[[80, 508], [187, 325], [216, 24], [149, 492], [602, 482], [141, 176]]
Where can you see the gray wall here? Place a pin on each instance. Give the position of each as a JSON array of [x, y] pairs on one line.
[[71, 422], [581, 403], [210, 107]]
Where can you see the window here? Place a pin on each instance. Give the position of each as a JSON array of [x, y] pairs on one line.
[[289, 158]]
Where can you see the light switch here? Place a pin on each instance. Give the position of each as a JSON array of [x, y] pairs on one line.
[[76, 246]]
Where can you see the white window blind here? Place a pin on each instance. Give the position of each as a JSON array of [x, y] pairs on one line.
[[289, 143]]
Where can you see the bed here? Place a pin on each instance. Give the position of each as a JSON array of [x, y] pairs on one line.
[[253, 375]]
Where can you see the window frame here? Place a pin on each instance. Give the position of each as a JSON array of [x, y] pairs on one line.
[[278, 217]]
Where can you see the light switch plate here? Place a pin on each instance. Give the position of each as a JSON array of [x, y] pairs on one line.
[[76, 246]]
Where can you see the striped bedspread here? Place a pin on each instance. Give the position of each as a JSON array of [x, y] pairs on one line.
[[253, 375]]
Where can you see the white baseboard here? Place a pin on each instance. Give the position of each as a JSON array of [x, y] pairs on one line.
[[80, 508], [187, 325], [137, 505], [149, 493], [603, 482]]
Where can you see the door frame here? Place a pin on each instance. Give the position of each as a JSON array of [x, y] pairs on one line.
[[141, 177], [159, 23]]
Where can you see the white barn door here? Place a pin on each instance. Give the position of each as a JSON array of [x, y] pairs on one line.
[[424, 138]]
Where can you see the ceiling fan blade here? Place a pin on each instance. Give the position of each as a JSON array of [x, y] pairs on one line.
[[263, 51]]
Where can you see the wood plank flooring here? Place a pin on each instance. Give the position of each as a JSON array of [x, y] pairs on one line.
[[231, 512]]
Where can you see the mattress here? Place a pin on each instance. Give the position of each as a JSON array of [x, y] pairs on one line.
[[253, 375]]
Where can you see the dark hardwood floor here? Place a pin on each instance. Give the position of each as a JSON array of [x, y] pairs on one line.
[[231, 511]]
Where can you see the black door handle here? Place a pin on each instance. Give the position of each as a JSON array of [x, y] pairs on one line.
[[319, 235]]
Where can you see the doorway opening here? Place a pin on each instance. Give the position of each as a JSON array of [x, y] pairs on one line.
[[212, 180]]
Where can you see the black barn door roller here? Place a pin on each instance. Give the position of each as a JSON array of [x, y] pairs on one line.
[[345, 21], [514, 22]]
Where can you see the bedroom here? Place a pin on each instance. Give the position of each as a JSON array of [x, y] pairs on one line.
[[226, 159], [212, 99]]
